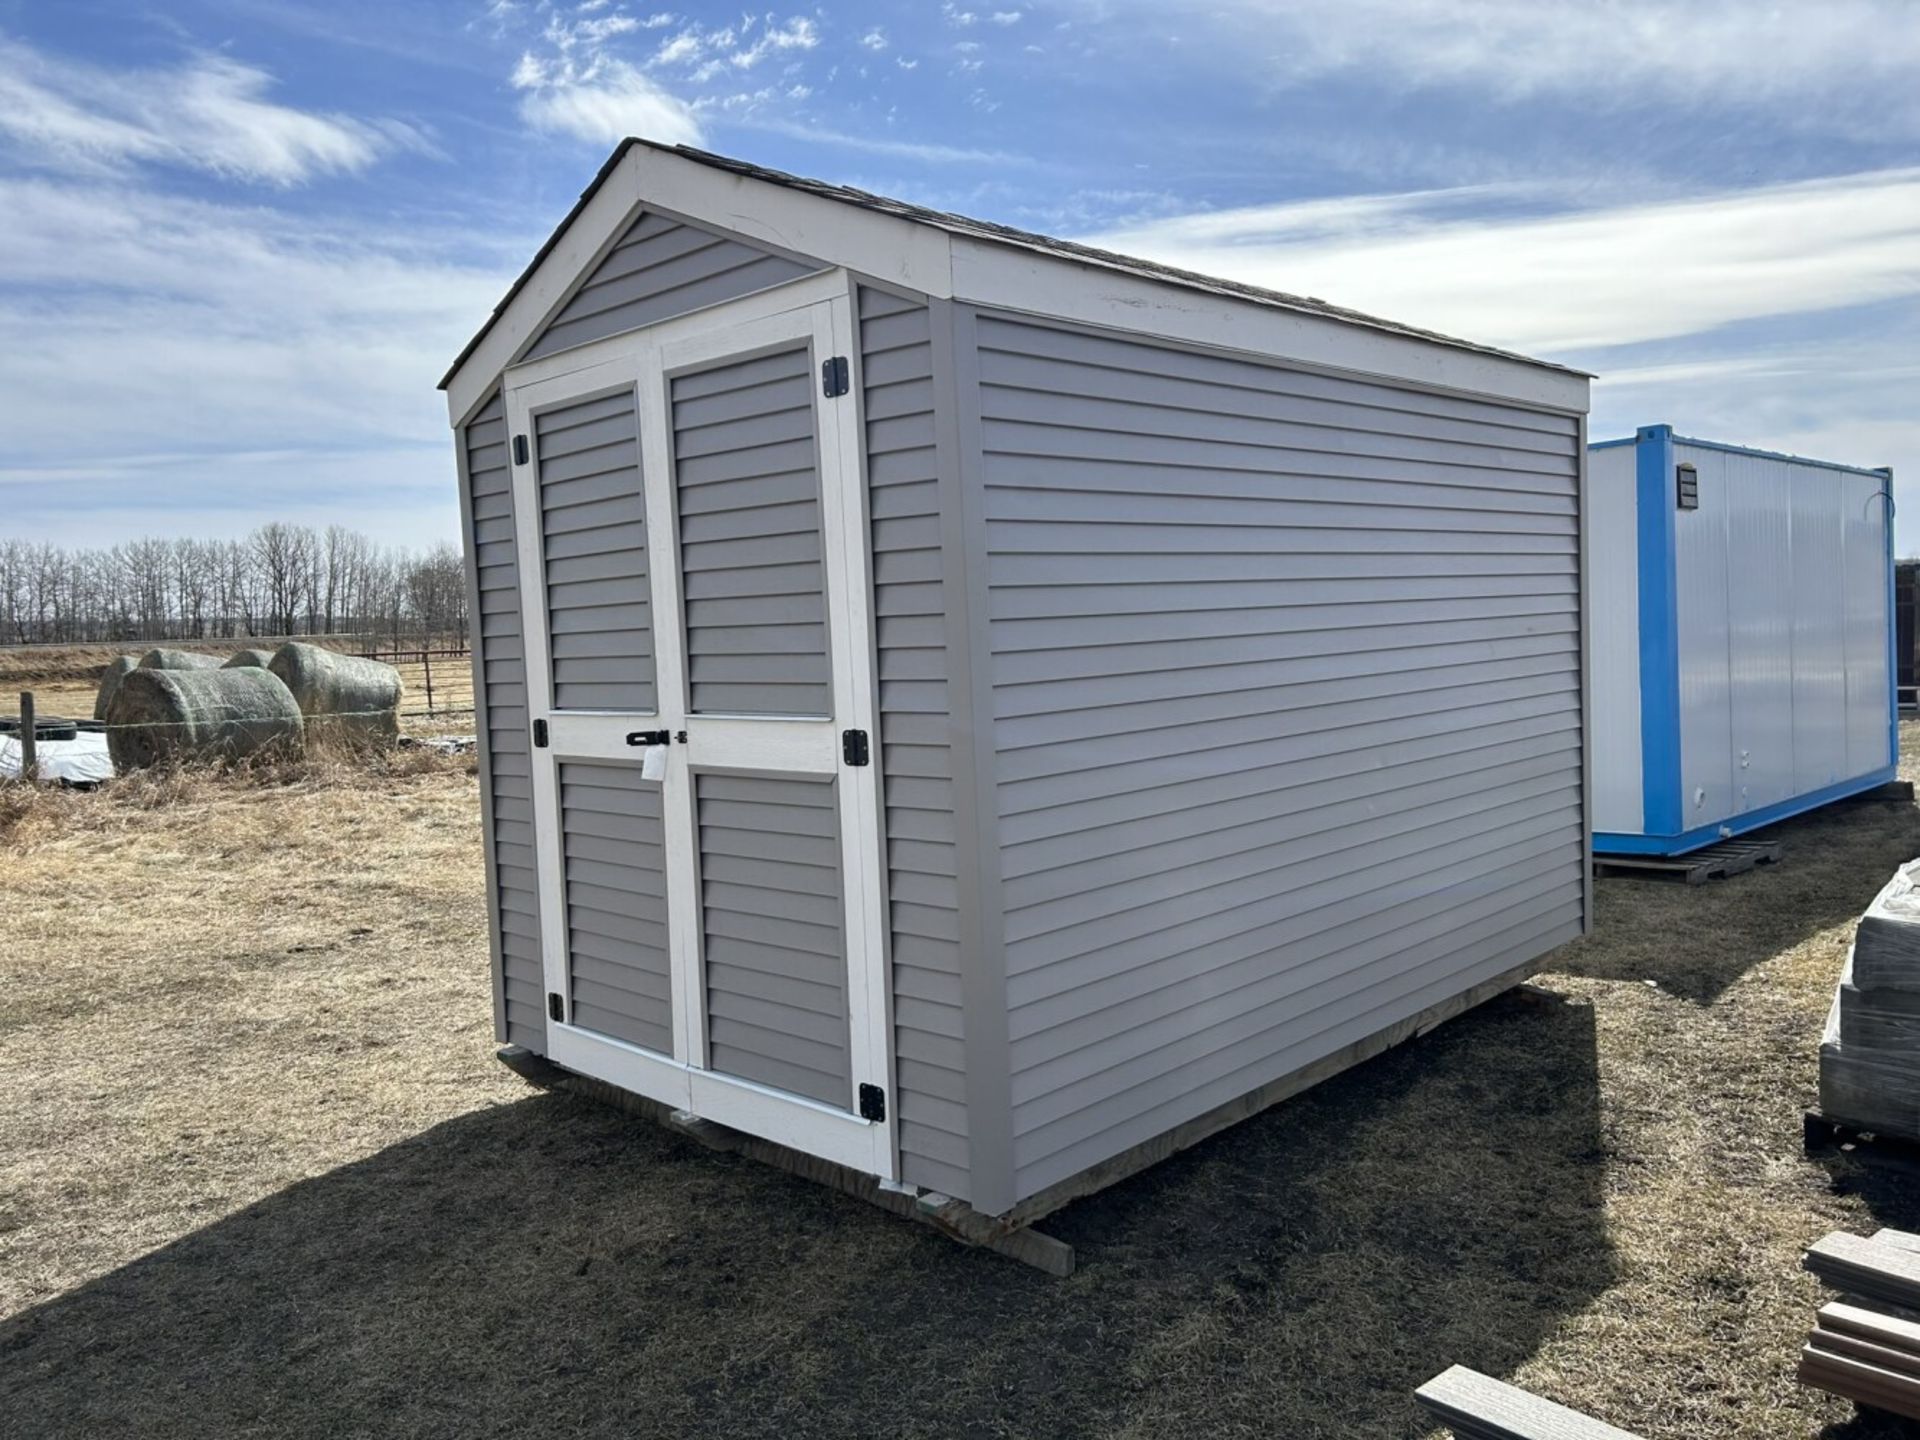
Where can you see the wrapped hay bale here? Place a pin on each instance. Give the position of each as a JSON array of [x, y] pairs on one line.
[[110, 682], [249, 660], [163, 659], [350, 698], [166, 716]]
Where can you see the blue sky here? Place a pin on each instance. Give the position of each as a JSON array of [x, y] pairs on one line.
[[240, 240]]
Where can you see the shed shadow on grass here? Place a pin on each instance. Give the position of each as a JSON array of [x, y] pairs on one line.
[[554, 1267], [1696, 940]]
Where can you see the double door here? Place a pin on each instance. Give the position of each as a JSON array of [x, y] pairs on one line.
[[691, 528]]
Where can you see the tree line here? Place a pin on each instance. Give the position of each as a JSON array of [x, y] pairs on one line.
[[280, 580]]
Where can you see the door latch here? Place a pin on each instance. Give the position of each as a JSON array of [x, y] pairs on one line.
[[853, 747], [649, 737]]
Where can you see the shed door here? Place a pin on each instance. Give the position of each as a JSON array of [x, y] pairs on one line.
[[712, 921]]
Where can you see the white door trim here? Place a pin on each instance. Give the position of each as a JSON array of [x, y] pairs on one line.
[[819, 311]]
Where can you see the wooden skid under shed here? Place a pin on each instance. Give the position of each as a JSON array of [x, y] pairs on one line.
[[1716, 862]]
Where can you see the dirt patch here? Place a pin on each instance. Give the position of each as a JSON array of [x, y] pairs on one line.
[[260, 1175]]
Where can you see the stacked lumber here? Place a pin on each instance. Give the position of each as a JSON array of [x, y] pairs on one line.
[[1870, 1054], [1478, 1407], [1861, 1353]]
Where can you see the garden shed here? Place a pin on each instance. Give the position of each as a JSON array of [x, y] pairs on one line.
[[1743, 634], [984, 712]]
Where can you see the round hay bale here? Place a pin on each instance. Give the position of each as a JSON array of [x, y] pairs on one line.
[[249, 660], [351, 697], [168, 716], [163, 659], [110, 682]]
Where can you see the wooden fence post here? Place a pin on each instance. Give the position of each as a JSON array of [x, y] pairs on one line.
[[29, 741], [426, 665]]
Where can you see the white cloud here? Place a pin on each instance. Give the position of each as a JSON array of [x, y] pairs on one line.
[[605, 103], [1842, 62], [240, 362], [798, 33], [210, 113], [1007, 17], [875, 39], [1569, 280], [581, 87]]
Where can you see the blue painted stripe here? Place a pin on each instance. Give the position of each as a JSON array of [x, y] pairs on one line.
[[1660, 810], [1616, 843]]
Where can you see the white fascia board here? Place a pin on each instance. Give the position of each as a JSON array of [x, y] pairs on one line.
[[1002, 275], [880, 246], [1008, 277]]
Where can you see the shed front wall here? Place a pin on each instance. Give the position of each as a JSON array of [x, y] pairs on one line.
[[1287, 716], [656, 271]]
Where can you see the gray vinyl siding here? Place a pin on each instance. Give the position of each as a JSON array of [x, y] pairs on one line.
[[773, 944], [594, 547], [501, 701], [1286, 698], [916, 759], [747, 483], [613, 844], [661, 268]]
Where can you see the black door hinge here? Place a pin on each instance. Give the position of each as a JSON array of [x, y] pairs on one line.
[[835, 378], [1687, 487], [519, 449], [853, 747], [556, 1006], [873, 1103], [539, 734]]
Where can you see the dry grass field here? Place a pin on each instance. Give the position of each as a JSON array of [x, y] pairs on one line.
[[260, 1176]]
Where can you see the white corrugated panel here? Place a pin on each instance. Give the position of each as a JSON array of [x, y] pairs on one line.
[[1614, 551], [1707, 788]]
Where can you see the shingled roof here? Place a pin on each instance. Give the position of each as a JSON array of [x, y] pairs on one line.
[[991, 231]]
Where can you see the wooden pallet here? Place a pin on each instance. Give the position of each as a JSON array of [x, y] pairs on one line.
[[1822, 1134], [1716, 862]]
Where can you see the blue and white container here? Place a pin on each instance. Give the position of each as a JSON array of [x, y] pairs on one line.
[[1742, 638]]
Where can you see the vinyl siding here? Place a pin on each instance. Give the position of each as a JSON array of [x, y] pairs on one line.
[[658, 269], [1286, 696], [747, 481], [773, 940], [594, 547], [614, 853], [916, 762], [501, 699]]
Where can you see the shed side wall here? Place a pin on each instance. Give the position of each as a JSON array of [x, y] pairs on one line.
[[1286, 695], [500, 700], [916, 759], [1611, 507]]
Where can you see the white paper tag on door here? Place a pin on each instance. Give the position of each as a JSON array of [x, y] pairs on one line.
[[653, 764]]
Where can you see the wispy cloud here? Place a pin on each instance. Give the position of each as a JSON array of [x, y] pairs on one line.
[[211, 113], [1845, 63], [1568, 281], [932, 153], [578, 84], [238, 359]]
